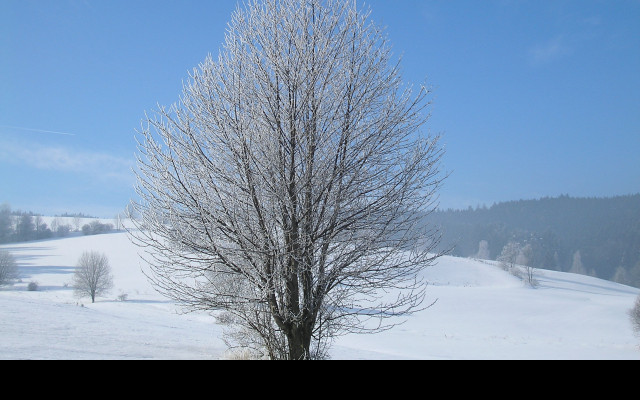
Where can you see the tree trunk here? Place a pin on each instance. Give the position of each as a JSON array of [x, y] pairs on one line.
[[299, 343]]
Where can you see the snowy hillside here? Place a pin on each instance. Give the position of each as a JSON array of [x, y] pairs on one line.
[[481, 312]]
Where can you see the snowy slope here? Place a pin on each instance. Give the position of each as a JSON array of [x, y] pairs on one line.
[[480, 312], [483, 312]]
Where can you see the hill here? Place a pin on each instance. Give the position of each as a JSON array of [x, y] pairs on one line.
[[480, 312], [600, 234]]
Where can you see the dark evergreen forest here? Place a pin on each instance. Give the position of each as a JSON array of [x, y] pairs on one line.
[[600, 235]]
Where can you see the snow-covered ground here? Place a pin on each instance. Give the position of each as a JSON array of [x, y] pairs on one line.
[[481, 312]]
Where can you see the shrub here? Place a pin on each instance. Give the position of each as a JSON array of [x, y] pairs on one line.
[[96, 228], [86, 229], [239, 355], [63, 230], [8, 267], [33, 286], [634, 314]]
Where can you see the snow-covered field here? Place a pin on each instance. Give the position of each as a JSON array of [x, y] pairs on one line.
[[481, 312]]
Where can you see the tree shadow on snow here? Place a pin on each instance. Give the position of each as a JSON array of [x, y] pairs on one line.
[[32, 273], [19, 256], [142, 301], [50, 288], [39, 270], [584, 287]]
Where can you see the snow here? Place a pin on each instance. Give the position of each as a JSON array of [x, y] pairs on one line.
[[480, 312]]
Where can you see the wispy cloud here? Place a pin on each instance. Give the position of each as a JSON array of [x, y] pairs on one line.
[[21, 128], [549, 51], [61, 159]]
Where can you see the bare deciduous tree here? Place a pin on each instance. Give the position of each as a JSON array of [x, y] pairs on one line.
[[291, 185], [483, 250], [55, 224], [8, 267], [524, 258], [92, 276], [77, 222], [508, 256], [576, 266], [38, 221]]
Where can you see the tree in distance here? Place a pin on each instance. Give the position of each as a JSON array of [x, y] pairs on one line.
[[291, 185], [8, 267], [509, 255], [634, 315], [92, 276]]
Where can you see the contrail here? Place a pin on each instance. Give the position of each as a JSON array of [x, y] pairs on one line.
[[37, 130]]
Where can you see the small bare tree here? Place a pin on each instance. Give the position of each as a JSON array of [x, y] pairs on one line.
[[577, 267], [509, 255], [483, 250], [291, 185], [55, 224], [92, 276], [77, 222], [525, 259], [8, 267]]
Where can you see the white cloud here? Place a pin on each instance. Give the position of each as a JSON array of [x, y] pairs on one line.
[[547, 52], [56, 158]]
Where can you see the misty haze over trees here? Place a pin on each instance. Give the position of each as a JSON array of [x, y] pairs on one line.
[[19, 226], [591, 236], [23, 226]]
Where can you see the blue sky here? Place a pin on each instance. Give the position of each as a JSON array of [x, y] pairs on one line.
[[533, 98]]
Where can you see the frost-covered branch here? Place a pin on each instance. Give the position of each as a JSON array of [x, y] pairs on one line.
[[291, 184]]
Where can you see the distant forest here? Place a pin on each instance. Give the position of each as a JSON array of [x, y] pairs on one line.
[[595, 236], [22, 226]]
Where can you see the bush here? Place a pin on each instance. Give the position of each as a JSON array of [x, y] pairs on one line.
[[239, 355], [8, 267], [86, 229], [634, 314], [32, 287], [63, 230], [96, 228]]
